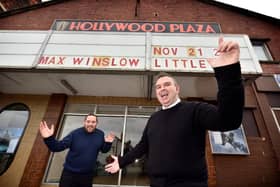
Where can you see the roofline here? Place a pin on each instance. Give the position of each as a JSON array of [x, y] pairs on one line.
[[243, 11], [32, 7], [211, 2]]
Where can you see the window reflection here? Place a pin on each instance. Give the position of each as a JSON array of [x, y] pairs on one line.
[[134, 174], [261, 50], [10, 5], [115, 125], [13, 120]]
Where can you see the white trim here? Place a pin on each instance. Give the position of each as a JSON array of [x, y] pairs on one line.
[[277, 79], [275, 118]]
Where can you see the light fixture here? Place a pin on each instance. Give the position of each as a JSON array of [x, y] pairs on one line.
[[67, 85]]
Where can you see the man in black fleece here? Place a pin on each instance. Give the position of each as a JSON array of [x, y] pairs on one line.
[[174, 137]]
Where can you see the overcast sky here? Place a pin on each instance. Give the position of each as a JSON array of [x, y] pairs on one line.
[[266, 7]]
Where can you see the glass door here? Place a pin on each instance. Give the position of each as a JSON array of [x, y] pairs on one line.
[[134, 174], [126, 122]]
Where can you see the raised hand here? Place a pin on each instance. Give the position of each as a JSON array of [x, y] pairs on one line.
[[228, 51], [110, 137], [114, 166], [45, 131]]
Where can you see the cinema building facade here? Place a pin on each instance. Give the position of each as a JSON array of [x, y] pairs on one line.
[[61, 60]]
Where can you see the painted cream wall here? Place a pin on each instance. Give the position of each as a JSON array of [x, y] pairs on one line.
[[37, 105]]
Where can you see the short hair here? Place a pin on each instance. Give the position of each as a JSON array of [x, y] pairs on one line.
[[91, 114], [164, 74]]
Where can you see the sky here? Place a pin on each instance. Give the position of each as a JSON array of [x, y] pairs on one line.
[[266, 7]]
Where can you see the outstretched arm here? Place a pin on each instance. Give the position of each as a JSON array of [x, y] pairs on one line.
[[114, 166], [50, 141], [137, 152], [228, 51], [45, 131], [228, 114], [108, 140], [110, 137]]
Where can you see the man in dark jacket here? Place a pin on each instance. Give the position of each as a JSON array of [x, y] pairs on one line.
[[84, 145], [174, 137]]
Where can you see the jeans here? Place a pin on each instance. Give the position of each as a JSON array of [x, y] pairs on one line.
[[176, 182], [70, 179]]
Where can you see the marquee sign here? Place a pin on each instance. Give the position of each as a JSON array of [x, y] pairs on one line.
[[136, 26], [123, 51]]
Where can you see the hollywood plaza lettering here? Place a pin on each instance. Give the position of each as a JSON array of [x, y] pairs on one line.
[[91, 62], [142, 27]]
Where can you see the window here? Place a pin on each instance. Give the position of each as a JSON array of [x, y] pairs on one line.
[[127, 122], [276, 115], [277, 79], [13, 120], [261, 50], [135, 173]]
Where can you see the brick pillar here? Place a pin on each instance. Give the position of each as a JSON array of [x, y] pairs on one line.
[[38, 159]]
